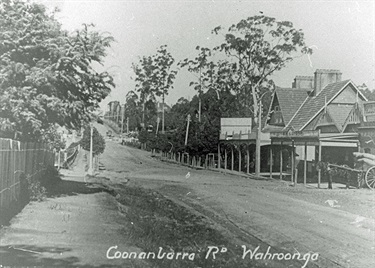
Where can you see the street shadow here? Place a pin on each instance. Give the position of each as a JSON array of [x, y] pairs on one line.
[[34, 256], [8, 213], [71, 188]]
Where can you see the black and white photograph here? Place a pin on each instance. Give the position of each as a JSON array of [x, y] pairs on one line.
[[187, 133]]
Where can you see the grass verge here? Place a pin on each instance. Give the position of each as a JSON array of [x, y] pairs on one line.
[[155, 221]]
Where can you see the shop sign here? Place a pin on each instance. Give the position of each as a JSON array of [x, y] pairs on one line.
[[295, 134]]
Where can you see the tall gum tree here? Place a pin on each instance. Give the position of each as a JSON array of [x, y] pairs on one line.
[[202, 67], [164, 76], [47, 76], [154, 76], [261, 45], [143, 72]]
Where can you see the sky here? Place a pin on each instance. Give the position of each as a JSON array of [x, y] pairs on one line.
[[341, 34]]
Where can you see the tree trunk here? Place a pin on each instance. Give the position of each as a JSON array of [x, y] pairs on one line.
[[257, 147]]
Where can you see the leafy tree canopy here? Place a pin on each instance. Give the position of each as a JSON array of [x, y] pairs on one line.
[[46, 73], [97, 138], [154, 76], [259, 46]]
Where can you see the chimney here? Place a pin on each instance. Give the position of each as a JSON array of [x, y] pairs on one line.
[[324, 77], [303, 82]]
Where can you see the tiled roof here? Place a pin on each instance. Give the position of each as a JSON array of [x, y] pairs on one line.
[[290, 99], [339, 113], [272, 128], [313, 105]]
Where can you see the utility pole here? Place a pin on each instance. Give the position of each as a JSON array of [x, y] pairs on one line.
[[127, 125], [118, 114], [157, 125], [199, 95], [162, 123], [122, 119], [90, 171], [187, 129]]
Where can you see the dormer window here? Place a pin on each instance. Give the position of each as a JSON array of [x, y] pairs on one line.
[[277, 108]]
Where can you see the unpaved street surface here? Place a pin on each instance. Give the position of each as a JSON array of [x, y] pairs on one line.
[[144, 205], [73, 227], [337, 224]]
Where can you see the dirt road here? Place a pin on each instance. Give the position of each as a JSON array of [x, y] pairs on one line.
[[260, 213]]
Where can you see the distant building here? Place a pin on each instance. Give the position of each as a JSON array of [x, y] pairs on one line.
[[114, 110], [159, 107]]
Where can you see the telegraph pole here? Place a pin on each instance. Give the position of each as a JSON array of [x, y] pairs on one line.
[[122, 119], [187, 129], [162, 124], [199, 95], [157, 125], [90, 171]]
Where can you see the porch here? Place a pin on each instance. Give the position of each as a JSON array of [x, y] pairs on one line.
[[308, 148]]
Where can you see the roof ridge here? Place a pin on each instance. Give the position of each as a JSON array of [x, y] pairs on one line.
[[332, 84], [357, 89], [328, 101], [293, 88]]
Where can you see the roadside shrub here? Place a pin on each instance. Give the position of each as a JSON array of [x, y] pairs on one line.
[[37, 186], [36, 191]]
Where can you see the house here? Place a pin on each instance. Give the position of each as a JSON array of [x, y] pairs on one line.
[[159, 107], [318, 119], [114, 109]]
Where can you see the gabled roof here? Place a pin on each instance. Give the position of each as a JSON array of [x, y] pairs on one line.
[[313, 105], [339, 114], [290, 99], [159, 107]]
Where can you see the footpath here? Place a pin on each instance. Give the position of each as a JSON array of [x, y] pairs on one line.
[[74, 228]]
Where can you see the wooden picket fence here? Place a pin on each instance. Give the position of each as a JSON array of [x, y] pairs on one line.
[[16, 158]]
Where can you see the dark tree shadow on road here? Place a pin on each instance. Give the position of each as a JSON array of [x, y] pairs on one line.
[[69, 188]]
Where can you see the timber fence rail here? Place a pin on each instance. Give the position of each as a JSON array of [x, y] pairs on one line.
[[65, 158], [18, 158], [209, 161], [72, 153], [185, 159]]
